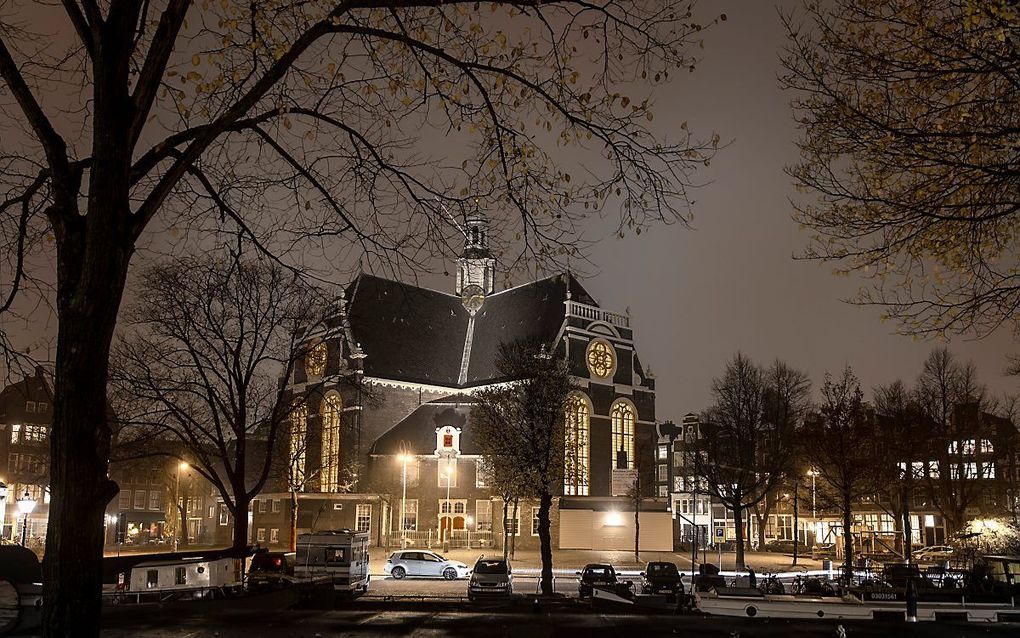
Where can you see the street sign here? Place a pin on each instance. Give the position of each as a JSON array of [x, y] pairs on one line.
[[720, 532]]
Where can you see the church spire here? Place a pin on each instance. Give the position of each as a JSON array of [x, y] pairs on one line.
[[476, 267]]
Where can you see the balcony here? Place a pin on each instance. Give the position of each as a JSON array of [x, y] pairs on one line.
[[594, 313]]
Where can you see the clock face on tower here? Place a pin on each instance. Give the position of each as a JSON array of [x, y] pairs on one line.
[[315, 360], [472, 297]]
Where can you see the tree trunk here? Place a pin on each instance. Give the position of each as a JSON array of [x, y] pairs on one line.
[[293, 520], [545, 540], [506, 528], [182, 537], [848, 541], [517, 528], [908, 532], [241, 504], [91, 271], [738, 523]]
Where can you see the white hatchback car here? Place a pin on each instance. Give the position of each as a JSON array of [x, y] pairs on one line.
[[417, 562]]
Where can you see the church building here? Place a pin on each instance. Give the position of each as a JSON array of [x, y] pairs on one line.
[[385, 442]]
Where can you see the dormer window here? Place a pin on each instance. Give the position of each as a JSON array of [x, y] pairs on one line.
[[448, 440], [30, 407]]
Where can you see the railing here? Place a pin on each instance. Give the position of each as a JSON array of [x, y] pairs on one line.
[[431, 538], [594, 313]]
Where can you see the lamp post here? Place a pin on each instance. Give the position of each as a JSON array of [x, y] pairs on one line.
[[813, 474], [26, 504], [183, 509], [403, 458], [3, 507]]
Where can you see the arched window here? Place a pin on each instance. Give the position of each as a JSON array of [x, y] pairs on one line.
[[623, 417], [577, 428], [298, 445], [329, 472]]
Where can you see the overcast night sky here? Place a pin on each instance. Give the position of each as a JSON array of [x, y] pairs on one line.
[[698, 295]]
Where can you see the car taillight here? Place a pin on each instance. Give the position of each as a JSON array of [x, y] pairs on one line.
[[277, 562]]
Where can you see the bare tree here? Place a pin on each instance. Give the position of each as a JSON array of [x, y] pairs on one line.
[[210, 338], [306, 127], [638, 490], [749, 437], [843, 451], [907, 138], [901, 454], [953, 405], [520, 428]]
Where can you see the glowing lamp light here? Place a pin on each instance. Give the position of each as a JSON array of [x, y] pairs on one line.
[[614, 519], [26, 504]]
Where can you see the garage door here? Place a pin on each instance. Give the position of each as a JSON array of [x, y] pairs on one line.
[[575, 529], [656, 532]]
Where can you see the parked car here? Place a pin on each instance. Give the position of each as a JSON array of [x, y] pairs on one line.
[[661, 578], [595, 575], [418, 562], [933, 554], [781, 546], [271, 569], [490, 577]]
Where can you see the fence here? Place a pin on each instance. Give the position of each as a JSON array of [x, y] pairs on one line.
[[432, 539]]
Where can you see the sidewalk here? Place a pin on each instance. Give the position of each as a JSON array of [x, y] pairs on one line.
[[568, 561]]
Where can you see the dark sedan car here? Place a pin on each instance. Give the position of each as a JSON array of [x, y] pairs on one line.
[[595, 575], [661, 578]]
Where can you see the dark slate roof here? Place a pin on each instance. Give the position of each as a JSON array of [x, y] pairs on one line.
[[418, 430], [417, 335], [408, 333]]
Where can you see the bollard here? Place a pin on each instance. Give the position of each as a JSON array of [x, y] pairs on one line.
[[911, 601]]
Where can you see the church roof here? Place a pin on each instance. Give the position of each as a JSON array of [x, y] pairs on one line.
[[418, 430], [418, 335]]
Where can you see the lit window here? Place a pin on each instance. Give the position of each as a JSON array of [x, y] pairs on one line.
[[154, 500], [663, 452], [363, 517], [988, 470], [601, 358], [329, 480], [15, 432], [261, 535], [969, 446], [622, 415], [411, 515], [315, 360], [274, 535], [987, 447], [298, 444], [534, 521], [578, 426], [970, 470], [483, 516], [224, 515], [140, 499]]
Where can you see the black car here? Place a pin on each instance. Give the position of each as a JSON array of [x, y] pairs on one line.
[[271, 569], [661, 578], [595, 575]]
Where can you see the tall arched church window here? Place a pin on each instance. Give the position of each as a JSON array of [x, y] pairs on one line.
[[623, 417], [298, 445], [601, 358], [329, 473], [577, 429]]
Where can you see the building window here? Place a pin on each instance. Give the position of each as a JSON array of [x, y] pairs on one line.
[[663, 452], [154, 500], [298, 445], [125, 500], [662, 474], [262, 505], [622, 415], [601, 358], [261, 535], [315, 360], [140, 499], [411, 515], [15, 432], [43, 407], [413, 472], [274, 535], [30, 406], [970, 470], [663, 491], [511, 524], [578, 427], [332, 407], [447, 472], [988, 470], [276, 505], [483, 516], [363, 519], [534, 521], [481, 474], [224, 515], [987, 447]]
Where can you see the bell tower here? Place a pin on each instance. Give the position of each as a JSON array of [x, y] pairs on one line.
[[476, 267]]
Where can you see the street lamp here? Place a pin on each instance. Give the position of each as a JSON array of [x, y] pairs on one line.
[[3, 507], [26, 504], [813, 474], [403, 457], [177, 498]]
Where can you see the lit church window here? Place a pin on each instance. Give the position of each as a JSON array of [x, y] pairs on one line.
[[315, 360], [329, 479], [601, 358], [578, 426], [622, 415], [298, 443]]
